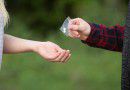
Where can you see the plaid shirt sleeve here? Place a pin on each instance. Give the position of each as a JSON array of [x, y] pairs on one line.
[[110, 38]]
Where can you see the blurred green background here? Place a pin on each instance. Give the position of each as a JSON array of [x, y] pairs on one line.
[[88, 69]]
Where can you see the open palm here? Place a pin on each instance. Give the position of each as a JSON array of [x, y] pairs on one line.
[[52, 52]]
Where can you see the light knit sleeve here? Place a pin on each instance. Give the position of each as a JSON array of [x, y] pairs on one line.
[[1, 36]]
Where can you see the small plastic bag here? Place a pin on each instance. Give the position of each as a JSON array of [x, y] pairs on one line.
[[64, 27]]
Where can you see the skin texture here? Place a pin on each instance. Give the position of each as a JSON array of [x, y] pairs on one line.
[[78, 28], [48, 50]]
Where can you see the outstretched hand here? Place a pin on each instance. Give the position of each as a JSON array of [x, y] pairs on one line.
[[52, 52]]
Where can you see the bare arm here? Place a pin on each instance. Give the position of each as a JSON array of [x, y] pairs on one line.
[[47, 50], [17, 45]]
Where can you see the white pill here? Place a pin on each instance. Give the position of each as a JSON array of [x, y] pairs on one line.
[[64, 30]]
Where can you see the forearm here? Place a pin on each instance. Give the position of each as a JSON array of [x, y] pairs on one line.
[[110, 38], [17, 45], [47, 50]]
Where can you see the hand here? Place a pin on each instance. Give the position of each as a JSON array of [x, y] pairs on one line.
[[52, 52], [78, 28]]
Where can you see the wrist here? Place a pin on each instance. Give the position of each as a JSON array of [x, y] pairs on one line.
[[85, 34], [33, 46], [84, 37]]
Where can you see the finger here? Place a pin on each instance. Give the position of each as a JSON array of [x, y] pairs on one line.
[[53, 56], [73, 27], [74, 37], [60, 56], [71, 35], [75, 34], [75, 21], [65, 56]]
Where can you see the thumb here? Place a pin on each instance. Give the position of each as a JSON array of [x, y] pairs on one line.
[[81, 28]]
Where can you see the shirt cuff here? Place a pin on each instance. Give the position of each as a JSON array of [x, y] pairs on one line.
[[94, 36]]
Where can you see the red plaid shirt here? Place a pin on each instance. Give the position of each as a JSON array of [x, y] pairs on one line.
[[110, 38]]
